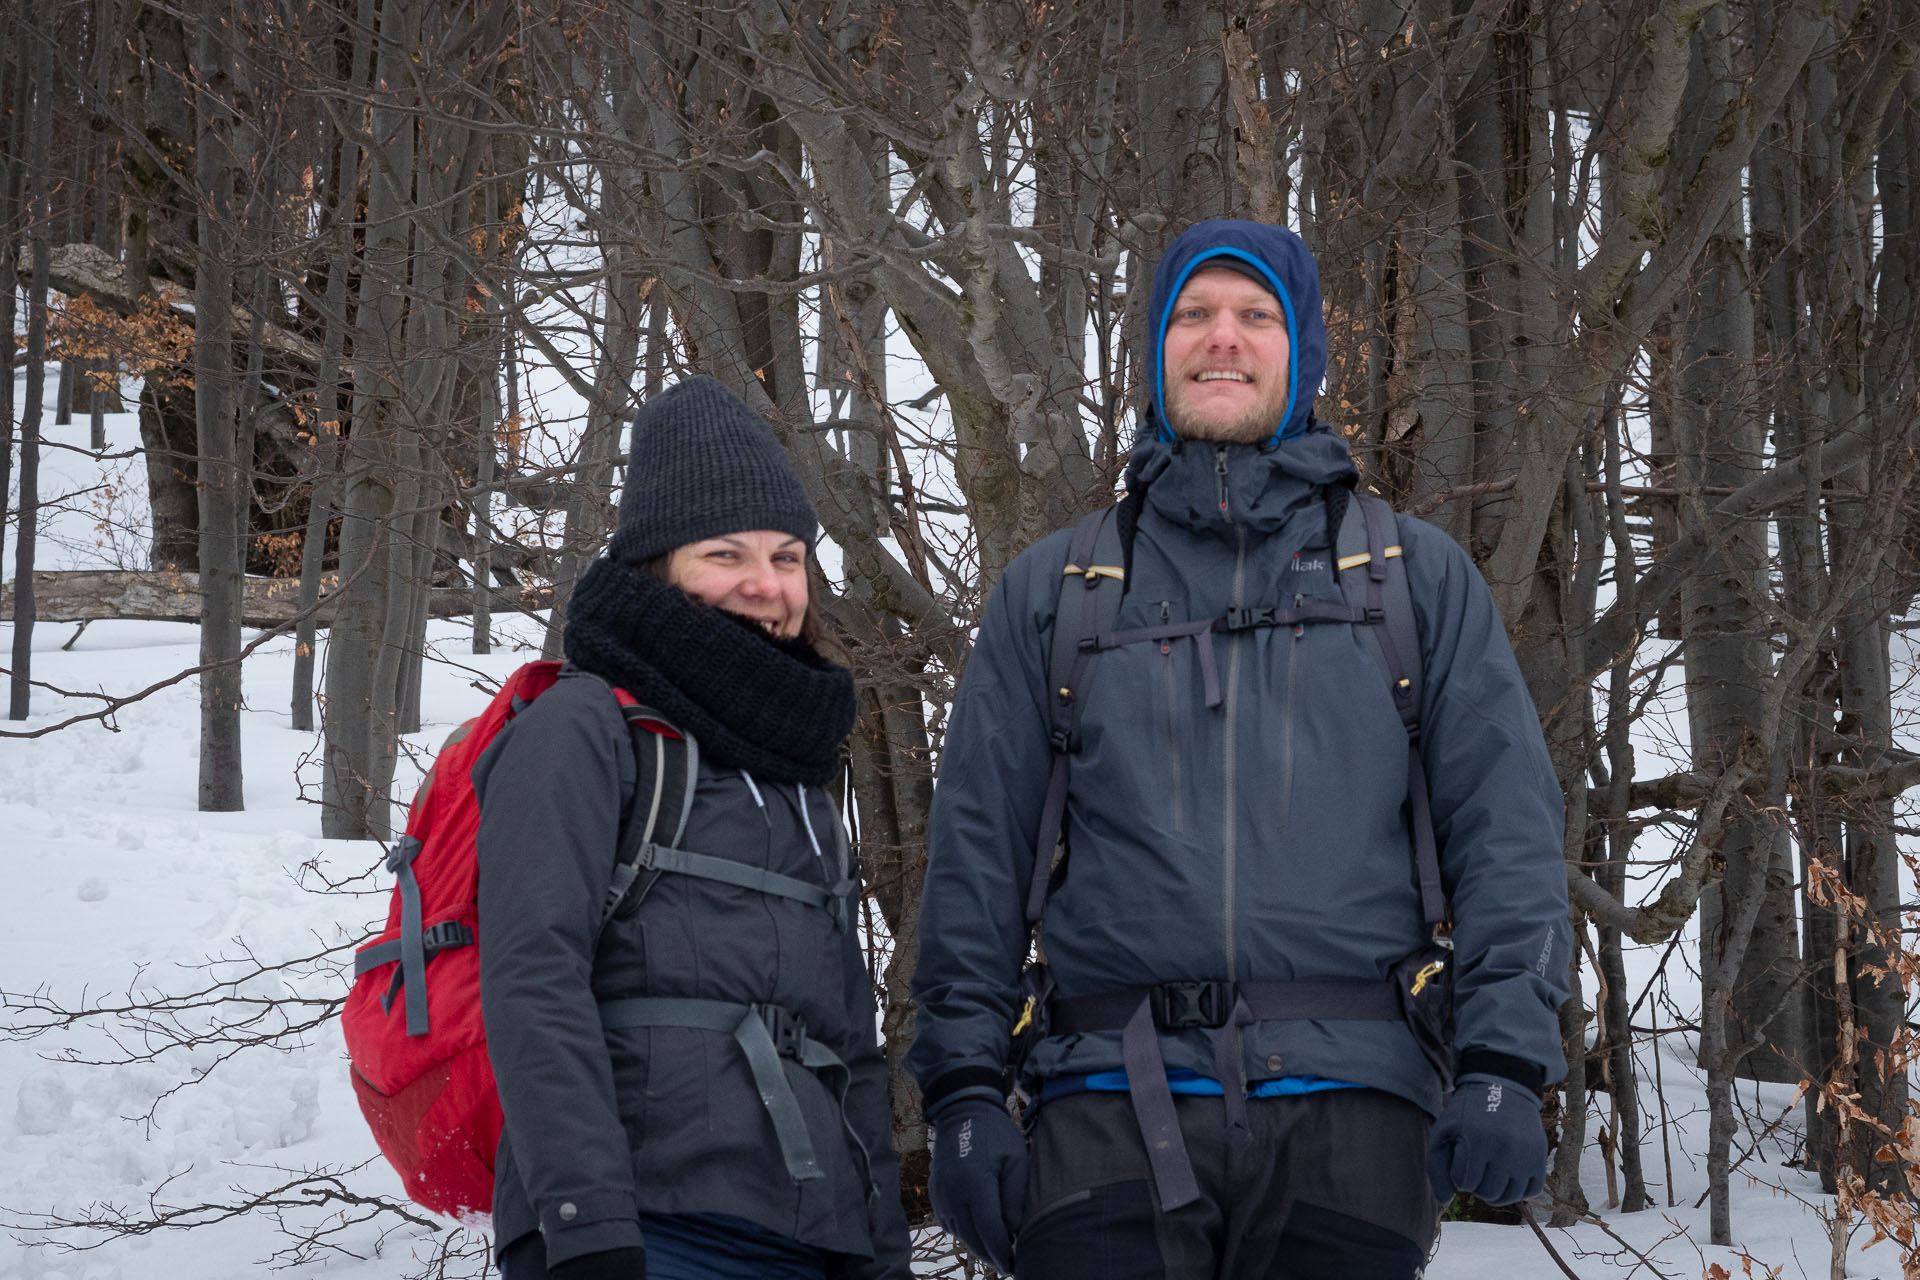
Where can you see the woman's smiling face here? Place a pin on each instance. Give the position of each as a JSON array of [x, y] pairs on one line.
[[759, 575]]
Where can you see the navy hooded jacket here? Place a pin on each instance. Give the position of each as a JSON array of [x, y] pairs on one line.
[[1263, 838]]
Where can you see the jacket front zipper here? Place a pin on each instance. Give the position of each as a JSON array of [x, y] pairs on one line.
[[1229, 784], [1173, 737]]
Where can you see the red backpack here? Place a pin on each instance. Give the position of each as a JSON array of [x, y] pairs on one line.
[[412, 1020]]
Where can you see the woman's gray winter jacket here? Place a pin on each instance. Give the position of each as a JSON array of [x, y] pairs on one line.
[[1262, 839], [604, 1125]]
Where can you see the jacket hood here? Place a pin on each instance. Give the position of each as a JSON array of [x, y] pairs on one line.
[[1282, 259]]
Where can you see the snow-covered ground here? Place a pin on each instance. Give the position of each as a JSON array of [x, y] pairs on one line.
[[117, 892]]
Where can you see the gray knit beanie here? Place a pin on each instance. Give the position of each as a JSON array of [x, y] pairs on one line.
[[704, 464]]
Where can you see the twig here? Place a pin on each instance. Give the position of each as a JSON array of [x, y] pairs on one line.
[[1526, 1216], [1645, 1261]]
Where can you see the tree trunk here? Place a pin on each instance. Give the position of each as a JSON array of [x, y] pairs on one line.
[[64, 393], [483, 514], [223, 482], [16, 88], [359, 752], [329, 438], [39, 57], [425, 541], [592, 503]]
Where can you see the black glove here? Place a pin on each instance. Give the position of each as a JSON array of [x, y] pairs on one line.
[[1488, 1142], [629, 1263], [979, 1180]]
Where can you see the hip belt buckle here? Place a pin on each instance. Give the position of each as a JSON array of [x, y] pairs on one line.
[[1189, 1006], [788, 1031]]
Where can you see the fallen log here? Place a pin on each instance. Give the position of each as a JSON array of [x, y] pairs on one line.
[[85, 270], [161, 595]]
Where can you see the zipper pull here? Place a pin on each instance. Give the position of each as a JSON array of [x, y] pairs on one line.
[[1299, 599], [1220, 476], [1166, 617]]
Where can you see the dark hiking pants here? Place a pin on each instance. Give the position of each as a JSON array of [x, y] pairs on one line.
[[706, 1246], [1333, 1186]]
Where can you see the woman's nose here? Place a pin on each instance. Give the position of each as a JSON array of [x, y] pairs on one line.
[[758, 580]]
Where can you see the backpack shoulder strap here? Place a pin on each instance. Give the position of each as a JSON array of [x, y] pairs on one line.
[[666, 769], [1373, 577], [1091, 585]]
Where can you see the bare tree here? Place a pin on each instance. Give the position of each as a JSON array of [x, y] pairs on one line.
[[222, 480], [37, 57]]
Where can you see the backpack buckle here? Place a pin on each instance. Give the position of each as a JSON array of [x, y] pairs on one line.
[[1246, 617], [1189, 1006], [448, 933], [788, 1031]]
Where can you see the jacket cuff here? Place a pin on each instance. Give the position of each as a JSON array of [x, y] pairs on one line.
[[1478, 1077], [1488, 1062], [941, 1088], [948, 1107], [573, 1225]]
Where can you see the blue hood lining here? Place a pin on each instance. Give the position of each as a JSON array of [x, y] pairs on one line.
[[1200, 260]]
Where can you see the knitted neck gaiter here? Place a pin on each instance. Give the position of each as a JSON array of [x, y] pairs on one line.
[[772, 707]]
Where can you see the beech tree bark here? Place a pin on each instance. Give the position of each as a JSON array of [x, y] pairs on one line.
[[222, 471], [37, 54]]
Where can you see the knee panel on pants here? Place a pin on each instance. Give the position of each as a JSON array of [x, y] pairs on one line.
[[1323, 1244], [1100, 1233]]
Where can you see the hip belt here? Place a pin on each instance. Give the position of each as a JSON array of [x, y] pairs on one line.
[[765, 1033], [1141, 1014]]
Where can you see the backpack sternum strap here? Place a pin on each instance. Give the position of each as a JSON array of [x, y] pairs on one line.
[[702, 866], [765, 1033], [1251, 617]]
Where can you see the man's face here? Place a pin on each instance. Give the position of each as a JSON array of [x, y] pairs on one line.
[[1225, 359]]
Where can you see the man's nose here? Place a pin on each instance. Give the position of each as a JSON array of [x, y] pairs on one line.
[[1223, 330]]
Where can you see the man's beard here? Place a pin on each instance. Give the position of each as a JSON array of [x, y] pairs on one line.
[[1252, 426]]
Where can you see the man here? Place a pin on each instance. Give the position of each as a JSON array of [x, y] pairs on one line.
[[1241, 1058]]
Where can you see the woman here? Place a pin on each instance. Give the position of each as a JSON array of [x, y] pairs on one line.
[[643, 1147]]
